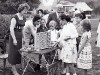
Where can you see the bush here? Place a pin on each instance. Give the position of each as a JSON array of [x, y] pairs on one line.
[[4, 25], [10, 6], [97, 10]]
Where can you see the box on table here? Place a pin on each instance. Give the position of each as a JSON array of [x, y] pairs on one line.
[[42, 40]]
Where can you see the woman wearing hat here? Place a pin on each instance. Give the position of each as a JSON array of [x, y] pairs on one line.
[[15, 42]]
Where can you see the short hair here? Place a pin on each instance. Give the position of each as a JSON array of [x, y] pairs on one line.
[[65, 17], [79, 15], [36, 18], [53, 22], [40, 10], [23, 6], [86, 24]]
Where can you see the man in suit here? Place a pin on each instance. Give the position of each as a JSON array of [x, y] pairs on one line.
[[55, 16]]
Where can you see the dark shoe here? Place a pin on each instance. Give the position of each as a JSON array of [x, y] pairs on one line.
[[37, 68]]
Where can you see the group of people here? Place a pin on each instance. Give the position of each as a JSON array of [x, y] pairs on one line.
[[72, 34]]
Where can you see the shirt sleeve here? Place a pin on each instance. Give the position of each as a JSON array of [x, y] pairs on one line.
[[29, 22], [74, 33], [65, 33], [70, 31]]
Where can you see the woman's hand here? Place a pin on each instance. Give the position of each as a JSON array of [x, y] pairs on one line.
[[15, 42]]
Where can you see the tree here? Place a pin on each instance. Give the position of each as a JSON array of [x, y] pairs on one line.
[[2, 1], [97, 10], [10, 6], [91, 4]]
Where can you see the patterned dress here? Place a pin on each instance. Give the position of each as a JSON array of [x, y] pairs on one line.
[[68, 52], [85, 58]]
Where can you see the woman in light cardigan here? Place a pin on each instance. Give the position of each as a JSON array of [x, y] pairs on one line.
[[68, 43]]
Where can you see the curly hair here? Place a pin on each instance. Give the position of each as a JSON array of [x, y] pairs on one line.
[[65, 17], [23, 6], [36, 18]]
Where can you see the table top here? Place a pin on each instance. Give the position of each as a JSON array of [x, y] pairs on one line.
[[44, 51]]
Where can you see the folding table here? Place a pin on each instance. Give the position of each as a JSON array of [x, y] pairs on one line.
[[30, 57]]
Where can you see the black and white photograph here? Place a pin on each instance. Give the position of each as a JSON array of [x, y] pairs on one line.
[[49, 37]]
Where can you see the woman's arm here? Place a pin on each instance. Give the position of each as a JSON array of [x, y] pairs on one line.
[[33, 30], [12, 26]]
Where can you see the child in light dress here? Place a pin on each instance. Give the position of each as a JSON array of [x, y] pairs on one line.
[[84, 61], [53, 31]]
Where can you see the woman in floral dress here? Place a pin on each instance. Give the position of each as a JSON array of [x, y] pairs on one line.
[[68, 42]]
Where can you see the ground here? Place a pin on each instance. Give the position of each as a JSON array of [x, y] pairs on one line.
[[96, 58]]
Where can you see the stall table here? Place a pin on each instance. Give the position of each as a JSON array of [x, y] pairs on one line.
[[53, 68]]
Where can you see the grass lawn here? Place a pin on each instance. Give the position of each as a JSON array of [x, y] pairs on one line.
[[96, 59]]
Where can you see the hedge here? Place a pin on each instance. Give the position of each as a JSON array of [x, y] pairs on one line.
[[4, 24]]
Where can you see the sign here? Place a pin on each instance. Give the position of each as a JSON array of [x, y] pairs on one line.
[[42, 41]]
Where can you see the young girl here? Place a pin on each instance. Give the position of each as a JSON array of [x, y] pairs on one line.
[[53, 31], [85, 54], [68, 42]]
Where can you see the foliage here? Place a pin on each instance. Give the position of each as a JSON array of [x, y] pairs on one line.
[[97, 10], [91, 4], [95, 7], [10, 6], [4, 24]]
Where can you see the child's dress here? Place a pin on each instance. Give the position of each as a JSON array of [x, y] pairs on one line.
[[54, 36], [85, 58], [68, 52]]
